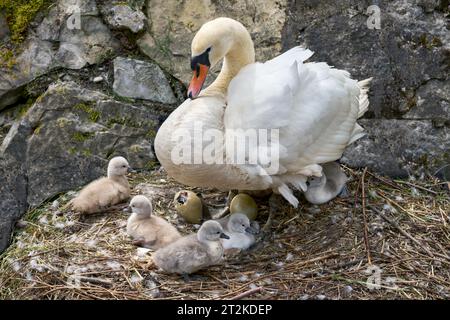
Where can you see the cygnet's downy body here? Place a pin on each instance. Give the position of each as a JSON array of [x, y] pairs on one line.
[[194, 252], [328, 186], [147, 230], [240, 230], [104, 192]]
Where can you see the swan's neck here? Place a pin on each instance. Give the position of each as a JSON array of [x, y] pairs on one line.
[[241, 53]]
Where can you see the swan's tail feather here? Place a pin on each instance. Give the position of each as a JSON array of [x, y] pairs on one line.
[[358, 132], [363, 97]]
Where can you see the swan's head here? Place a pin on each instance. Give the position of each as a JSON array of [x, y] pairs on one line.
[[118, 166], [141, 206], [212, 42], [240, 223], [211, 231]]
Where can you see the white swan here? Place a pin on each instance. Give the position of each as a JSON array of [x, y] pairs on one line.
[[314, 107]]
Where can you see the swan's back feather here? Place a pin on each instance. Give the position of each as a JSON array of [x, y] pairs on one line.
[[314, 106]]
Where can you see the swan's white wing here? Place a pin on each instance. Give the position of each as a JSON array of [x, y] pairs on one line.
[[314, 106]]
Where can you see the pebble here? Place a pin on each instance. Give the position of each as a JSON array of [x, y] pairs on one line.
[[98, 79]]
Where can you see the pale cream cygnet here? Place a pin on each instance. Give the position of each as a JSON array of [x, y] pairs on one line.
[[147, 230], [106, 191]]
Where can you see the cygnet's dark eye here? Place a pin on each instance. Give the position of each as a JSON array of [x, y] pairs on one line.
[[124, 166]]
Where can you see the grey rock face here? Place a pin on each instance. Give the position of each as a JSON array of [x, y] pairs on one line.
[[408, 59], [400, 147], [13, 182], [4, 29], [142, 80], [75, 131], [168, 41], [55, 43], [64, 141], [122, 16]]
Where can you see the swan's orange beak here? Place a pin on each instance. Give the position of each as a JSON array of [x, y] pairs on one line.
[[198, 79]]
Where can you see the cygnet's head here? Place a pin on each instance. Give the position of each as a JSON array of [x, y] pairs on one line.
[[118, 166], [316, 182], [211, 231], [141, 206], [240, 223]]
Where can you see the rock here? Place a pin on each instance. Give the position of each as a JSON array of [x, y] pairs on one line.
[[168, 41], [141, 80], [123, 16], [35, 60], [410, 48], [53, 44], [97, 79], [64, 141], [75, 131], [4, 29], [400, 147], [432, 101], [13, 182], [408, 58]]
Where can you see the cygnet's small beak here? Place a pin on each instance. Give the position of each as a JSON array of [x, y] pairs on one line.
[[224, 236], [127, 209], [131, 170], [251, 230]]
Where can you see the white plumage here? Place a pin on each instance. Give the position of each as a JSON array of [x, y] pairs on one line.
[[313, 106], [240, 231]]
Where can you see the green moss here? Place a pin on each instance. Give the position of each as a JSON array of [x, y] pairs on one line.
[[23, 108], [87, 152], [7, 58], [135, 148], [151, 165], [19, 14], [93, 115], [38, 129], [72, 150], [124, 122], [425, 42], [151, 134], [62, 122], [82, 136]]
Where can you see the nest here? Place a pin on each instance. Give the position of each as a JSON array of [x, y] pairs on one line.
[[390, 239]]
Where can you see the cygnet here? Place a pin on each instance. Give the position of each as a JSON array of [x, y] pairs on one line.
[[328, 186], [105, 191], [194, 252], [240, 231], [147, 230]]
